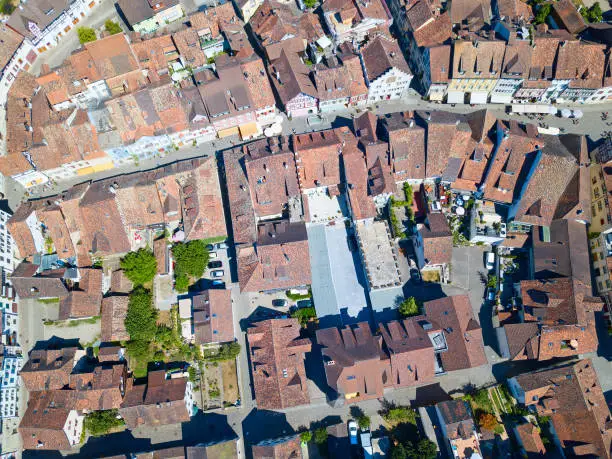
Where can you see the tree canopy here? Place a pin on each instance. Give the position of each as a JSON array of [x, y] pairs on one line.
[[112, 27], [6, 6], [191, 258], [320, 436], [363, 421], [141, 316], [86, 34], [593, 13], [140, 267], [409, 307], [99, 423], [310, 3]]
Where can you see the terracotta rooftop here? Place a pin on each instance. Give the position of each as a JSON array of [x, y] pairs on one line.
[[381, 55], [213, 320], [565, 12], [271, 173], [318, 158], [277, 363], [352, 357], [462, 332], [581, 62], [560, 162], [114, 311], [85, 296], [434, 33], [572, 397], [277, 260], [48, 369], [42, 425]]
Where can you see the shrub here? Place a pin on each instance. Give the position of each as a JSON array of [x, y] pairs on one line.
[[398, 452], [542, 13], [400, 414], [303, 315], [320, 436], [181, 283], [86, 34], [140, 267], [310, 3], [112, 27], [363, 421], [191, 258], [487, 421], [99, 423], [141, 316], [409, 307], [227, 351], [306, 436]]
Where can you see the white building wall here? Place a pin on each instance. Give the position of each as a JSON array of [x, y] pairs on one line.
[[73, 427], [390, 85]]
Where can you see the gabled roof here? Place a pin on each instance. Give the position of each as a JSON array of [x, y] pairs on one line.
[[276, 352], [568, 15], [213, 320], [41, 14], [572, 396], [277, 259], [48, 369], [581, 62], [85, 297], [482, 59], [381, 55], [463, 334], [352, 360], [291, 77], [317, 158]]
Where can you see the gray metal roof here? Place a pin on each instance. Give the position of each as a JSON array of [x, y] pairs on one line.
[[335, 271]]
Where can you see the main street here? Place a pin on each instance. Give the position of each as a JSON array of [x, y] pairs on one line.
[[590, 125]]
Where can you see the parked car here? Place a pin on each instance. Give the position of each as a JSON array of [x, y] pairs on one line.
[[352, 428], [218, 282], [221, 246], [210, 247], [304, 304], [215, 264], [502, 230], [279, 303], [217, 273], [490, 294], [490, 260], [213, 255]]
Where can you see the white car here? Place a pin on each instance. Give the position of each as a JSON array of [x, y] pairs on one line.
[[217, 273], [352, 428], [502, 230], [220, 246], [490, 261], [213, 255]]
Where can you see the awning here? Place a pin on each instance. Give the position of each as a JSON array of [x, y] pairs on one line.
[[501, 98], [103, 166], [85, 171], [455, 97], [248, 130], [227, 132], [478, 97]]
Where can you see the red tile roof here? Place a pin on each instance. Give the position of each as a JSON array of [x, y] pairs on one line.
[[277, 363], [353, 361], [48, 369], [572, 397], [114, 311], [277, 260], [318, 158], [213, 319], [85, 297], [463, 334]]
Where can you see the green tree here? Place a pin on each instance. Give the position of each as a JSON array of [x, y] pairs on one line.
[[112, 27], [303, 315], [424, 449], [306, 436], [99, 423], [320, 436], [86, 34], [363, 421], [542, 13], [141, 316], [594, 13], [191, 258], [181, 283], [310, 3], [7, 7], [492, 281], [140, 267], [398, 452], [409, 307]]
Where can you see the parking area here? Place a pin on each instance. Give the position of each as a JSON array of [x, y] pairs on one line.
[[218, 272]]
